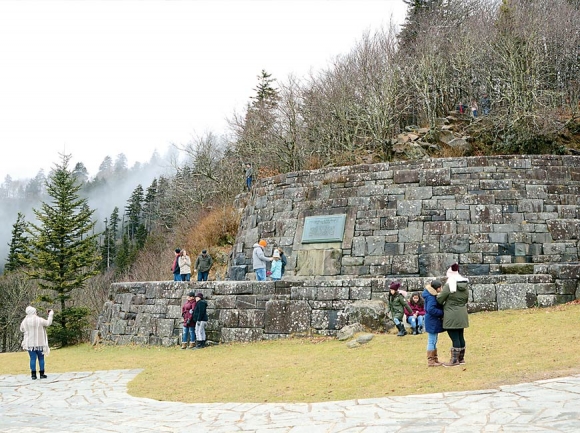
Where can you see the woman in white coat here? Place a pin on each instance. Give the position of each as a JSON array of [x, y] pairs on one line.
[[35, 340]]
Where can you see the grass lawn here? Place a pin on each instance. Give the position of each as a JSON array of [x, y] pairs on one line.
[[504, 347]]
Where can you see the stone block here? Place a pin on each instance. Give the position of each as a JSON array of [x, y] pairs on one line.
[[394, 223], [327, 319], [418, 193], [436, 177], [407, 264], [409, 207], [164, 327], [454, 243], [486, 214], [439, 228], [516, 296], [483, 292], [406, 176], [251, 318], [435, 265], [228, 318], [285, 317], [563, 229], [244, 335]]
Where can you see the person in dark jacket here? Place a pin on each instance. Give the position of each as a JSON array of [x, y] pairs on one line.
[[433, 321], [188, 322], [203, 265], [200, 318], [175, 266], [398, 306], [454, 297]]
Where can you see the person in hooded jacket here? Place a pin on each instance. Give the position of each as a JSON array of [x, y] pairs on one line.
[[259, 260], [433, 321], [454, 297], [200, 318], [398, 306], [35, 340], [188, 322]]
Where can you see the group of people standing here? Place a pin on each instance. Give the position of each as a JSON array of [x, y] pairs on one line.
[[439, 308], [194, 313], [181, 266], [260, 261]]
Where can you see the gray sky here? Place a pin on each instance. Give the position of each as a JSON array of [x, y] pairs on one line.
[[98, 78]]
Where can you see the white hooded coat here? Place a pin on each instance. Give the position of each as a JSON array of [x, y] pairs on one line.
[[34, 329]]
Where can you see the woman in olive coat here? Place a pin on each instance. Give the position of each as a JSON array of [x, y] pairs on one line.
[[398, 306], [454, 297]]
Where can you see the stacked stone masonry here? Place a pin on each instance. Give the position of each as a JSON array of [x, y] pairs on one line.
[[150, 312], [511, 222]]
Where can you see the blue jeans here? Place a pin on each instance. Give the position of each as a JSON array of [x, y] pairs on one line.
[[200, 330], [185, 277], [188, 330], [414, 322], [260, 274], [249, 183], [33, 355], [202, 276], [432, 341], [176, 277]]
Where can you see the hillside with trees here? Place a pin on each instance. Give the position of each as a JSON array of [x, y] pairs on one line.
[[398, 94]]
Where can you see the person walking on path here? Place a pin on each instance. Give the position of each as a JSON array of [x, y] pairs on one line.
[[184, 266], [398, 306], [200, 319], [175, 266], [433, 321], [454, 297], [203, 264], [35, 340], [259, 260], [188, 322], [474, 108], [417, 319]]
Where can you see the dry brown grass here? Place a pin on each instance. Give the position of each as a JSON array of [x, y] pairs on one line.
[[503, 347]]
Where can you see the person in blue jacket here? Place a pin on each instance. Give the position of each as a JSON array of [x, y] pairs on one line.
[[433, 321]]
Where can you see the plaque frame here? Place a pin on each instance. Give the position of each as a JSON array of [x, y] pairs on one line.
[[337, 222]]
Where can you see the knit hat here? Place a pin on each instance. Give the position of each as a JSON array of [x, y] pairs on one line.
[[262, 243], [30, 310], [276, 254], [191, 294], [395, 285], [455, 267], [199, 295]]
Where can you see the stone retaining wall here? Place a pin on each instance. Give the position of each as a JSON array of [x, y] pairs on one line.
[[150, 312], [416, 218]]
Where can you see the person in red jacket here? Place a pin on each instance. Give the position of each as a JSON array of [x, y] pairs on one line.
[[188, 323], [417, 320]]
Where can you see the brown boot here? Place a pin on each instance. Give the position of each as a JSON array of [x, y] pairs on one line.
[[432, 360], [461, 357], [192, 345], [184, 345], [454, 361]]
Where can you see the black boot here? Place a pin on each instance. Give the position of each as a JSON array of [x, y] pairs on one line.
[[33, 375], [414, 330], [42, 375], [401, 329], [197, 345]]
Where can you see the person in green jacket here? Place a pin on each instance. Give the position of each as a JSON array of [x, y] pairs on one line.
[[398, 306], [454, 297], [203, 264]]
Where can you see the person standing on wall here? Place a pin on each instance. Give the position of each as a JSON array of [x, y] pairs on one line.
[[184, 262], [282, 259], [200, 318], [276, 268], [249, 176], [35, 340], [454, 297], [188, 322], [203, 264], [259, 260], [433, 321], [175, 266]]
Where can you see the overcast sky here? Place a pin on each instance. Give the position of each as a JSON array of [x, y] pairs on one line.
[[100, 78]]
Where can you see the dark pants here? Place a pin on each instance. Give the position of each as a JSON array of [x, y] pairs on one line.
[[249, 183], [457, 339], [202, 276]]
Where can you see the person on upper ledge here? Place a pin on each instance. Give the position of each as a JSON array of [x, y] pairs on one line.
[[259, 260], [203, 265]]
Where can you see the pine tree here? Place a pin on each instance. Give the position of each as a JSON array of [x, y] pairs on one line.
[[109, 246], [17, 254], [63, 250], [134, 209]]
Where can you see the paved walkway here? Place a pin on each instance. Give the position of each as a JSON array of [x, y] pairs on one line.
[[98, 402]]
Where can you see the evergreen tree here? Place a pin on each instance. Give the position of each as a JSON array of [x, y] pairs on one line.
[[63, 250], [17, 254], [109, 246], [81, 173], [133, 210], [150, 206]]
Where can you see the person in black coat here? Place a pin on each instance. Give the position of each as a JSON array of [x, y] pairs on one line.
[[200, 319]]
